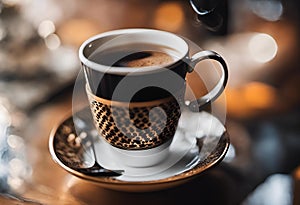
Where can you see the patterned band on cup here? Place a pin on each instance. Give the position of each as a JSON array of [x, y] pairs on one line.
[[135, 126]]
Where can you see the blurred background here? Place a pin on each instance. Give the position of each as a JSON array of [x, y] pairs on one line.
[[259, 40]]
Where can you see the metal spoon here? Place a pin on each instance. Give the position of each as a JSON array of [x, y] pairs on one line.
[[71, 149], [96, 169]]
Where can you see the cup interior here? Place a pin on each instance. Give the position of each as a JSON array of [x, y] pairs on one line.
[[149, 38]]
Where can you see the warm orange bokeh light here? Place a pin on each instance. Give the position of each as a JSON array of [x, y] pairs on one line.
[[250, 99], [75, 31], [259, 95], [169, 16], [297, 173]]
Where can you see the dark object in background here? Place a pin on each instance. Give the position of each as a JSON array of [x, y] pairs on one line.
[[213, 14]]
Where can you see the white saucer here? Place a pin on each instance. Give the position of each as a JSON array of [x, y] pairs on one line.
[[178, 160], [194, 149]]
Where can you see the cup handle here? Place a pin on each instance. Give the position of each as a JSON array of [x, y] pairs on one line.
[[219, 88]]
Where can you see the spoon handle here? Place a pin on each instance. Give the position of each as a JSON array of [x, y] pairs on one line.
[[97, 170]]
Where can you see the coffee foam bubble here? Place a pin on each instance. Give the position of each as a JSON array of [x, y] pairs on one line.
[[156, 58]]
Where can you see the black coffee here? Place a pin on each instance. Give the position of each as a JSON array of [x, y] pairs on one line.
[[133, 55], [103, 84]]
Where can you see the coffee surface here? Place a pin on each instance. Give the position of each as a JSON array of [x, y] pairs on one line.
[[144, 58], [133, 55]]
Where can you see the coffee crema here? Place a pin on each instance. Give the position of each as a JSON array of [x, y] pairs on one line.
[[134, 55]]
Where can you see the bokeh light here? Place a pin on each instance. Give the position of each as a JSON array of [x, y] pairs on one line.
[[263, 47], [5, 118], [15, 142], [52, 41], [3, 31], [259, 95], [231, 154], [46, 28], [270, 10], [169, 16], [75, 31], [16, 167], [251, 99], [297, 173], [36, 11], [11, 2]]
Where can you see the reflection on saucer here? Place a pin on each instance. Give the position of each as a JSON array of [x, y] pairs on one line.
[[200, 142]]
